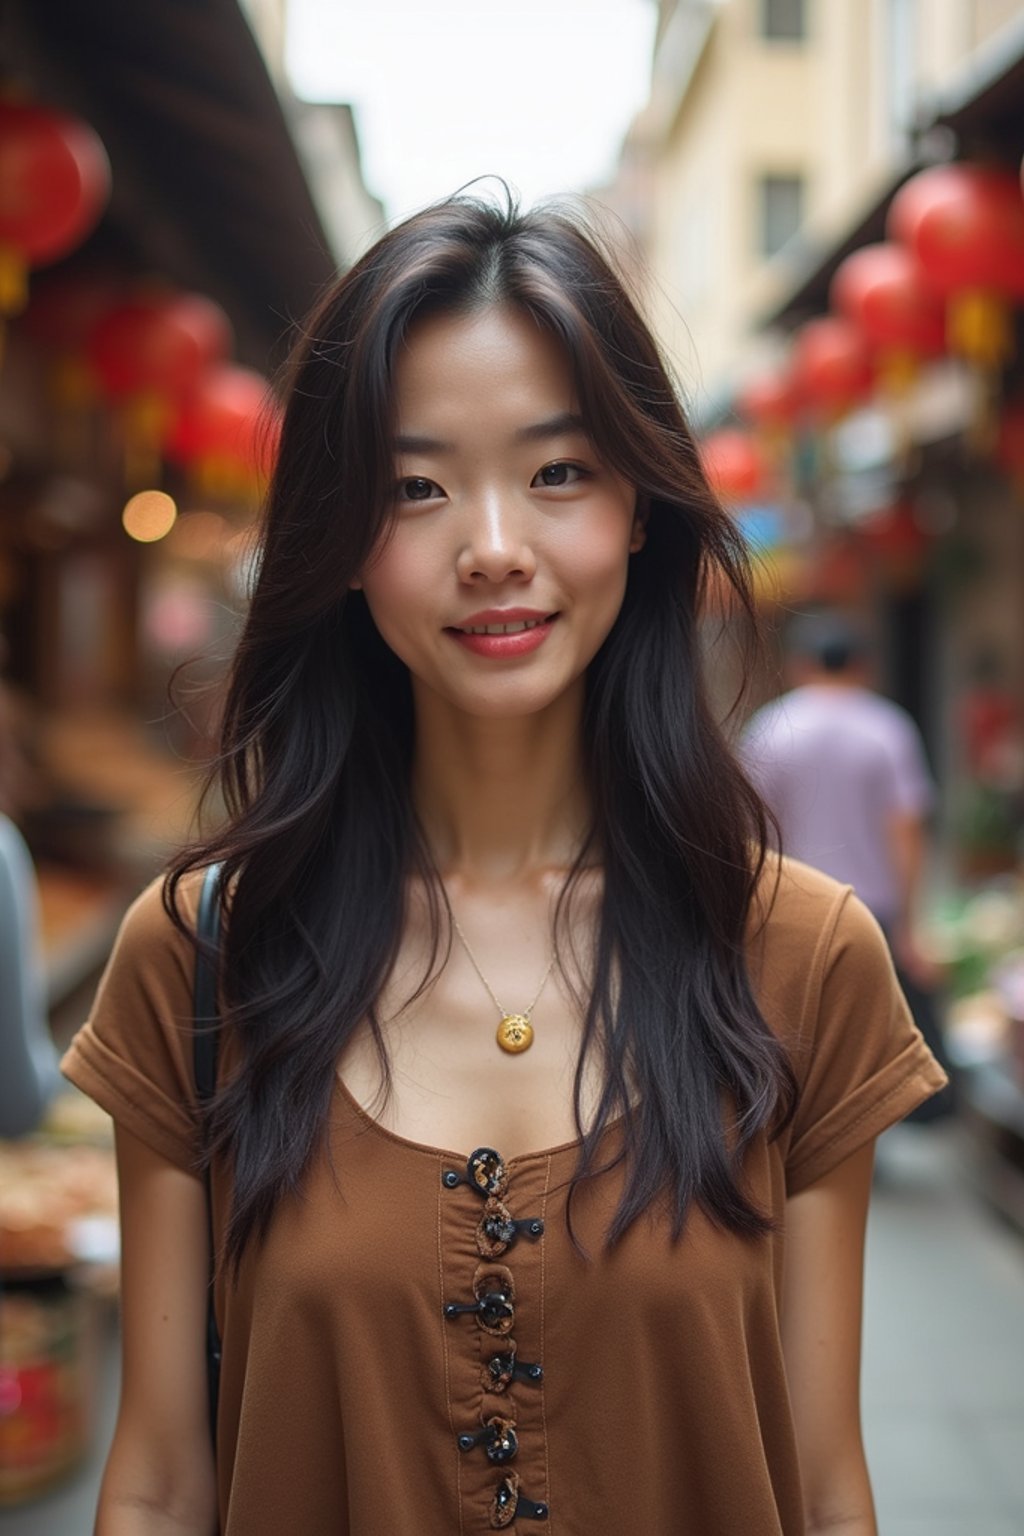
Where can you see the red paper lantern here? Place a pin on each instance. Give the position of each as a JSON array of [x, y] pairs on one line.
[[157, 345], [221, 415], [831, 366], [226, 431], [881, 289], [54, 184], [733, 464], [769, 401], [964, 224]]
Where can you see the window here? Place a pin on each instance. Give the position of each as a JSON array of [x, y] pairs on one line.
[[781, 211], [784, 20]]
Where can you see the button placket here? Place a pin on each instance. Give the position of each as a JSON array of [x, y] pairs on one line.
[[496, 1432]]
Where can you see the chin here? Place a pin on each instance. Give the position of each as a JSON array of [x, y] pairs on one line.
[[506, 699]]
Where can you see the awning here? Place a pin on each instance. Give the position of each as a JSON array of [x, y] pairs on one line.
[[207, 185], [985, 104]]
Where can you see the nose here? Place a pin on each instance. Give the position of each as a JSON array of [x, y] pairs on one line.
[[496, 546]]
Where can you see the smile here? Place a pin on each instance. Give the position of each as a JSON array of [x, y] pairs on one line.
[[504, 641], [502, 629]]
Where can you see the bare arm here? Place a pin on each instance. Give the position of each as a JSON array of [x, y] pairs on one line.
[[821, 1336], [159, 1477], [908, 842]]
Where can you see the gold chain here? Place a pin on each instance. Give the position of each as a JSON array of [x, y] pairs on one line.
[[515, 1032]]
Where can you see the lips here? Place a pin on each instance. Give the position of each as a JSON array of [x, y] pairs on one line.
[[503, 632], [517, 626], [498, 621]]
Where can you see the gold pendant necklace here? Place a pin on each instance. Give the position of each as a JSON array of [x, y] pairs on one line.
[[515, 1032]]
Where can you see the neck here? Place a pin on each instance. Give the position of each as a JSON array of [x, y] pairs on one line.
[[836, 680], [501, 799]]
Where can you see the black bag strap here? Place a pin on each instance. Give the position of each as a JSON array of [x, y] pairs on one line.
[[204, 1056]]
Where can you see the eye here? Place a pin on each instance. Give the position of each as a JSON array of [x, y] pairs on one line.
[[418, 488], [559, 474]]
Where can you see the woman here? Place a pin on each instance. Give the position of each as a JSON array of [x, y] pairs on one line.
[[542, 1148]]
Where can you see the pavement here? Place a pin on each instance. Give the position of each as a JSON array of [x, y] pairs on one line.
[[943, 1383], [943, 1377]]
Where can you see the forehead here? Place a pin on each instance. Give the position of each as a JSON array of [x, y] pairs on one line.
[[494, 361]]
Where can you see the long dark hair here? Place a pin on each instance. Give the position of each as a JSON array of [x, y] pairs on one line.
[[317, 739]]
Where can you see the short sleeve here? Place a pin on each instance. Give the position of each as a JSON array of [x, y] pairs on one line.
[[864, 1064], [134, 1055], [913, 790]]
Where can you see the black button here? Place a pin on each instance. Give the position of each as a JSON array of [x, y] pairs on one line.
[[499, 1369], [500, 1229], [495, 1308], [503, 1445], [498, 1437], [450, 1179], [486, 1171], [506, 1497], [511, 1504]]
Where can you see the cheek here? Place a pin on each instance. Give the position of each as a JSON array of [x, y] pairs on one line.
[[396, 583], [597, 562]]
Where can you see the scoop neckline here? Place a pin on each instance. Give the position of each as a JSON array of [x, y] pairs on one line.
[[426, 1150]]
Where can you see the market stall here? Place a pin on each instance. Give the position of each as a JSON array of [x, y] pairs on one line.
[[58, 1276]]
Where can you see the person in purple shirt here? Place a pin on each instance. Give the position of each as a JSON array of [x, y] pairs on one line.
[[844, 771]]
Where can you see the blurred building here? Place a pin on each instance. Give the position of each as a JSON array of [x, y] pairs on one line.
[[874, 457], [776, 136], [159, 324], [327, 140], [774, 127]]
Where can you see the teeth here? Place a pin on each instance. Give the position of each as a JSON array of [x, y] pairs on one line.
[[502, 629]]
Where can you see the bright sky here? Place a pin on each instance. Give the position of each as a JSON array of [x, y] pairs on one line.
[[538, 91]]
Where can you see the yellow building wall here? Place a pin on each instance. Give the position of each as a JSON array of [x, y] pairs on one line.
[[834, 108]]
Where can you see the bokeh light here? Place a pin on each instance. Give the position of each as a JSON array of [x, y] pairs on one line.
[[149, 516]]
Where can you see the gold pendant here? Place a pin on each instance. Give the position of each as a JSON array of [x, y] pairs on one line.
[[515, 1033]]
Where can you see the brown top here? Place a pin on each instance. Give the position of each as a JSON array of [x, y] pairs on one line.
[[661, 1405]]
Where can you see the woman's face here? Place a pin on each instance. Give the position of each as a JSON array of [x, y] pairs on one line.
[[505, 565]]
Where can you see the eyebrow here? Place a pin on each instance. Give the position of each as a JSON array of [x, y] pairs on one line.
[[562, 425]]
